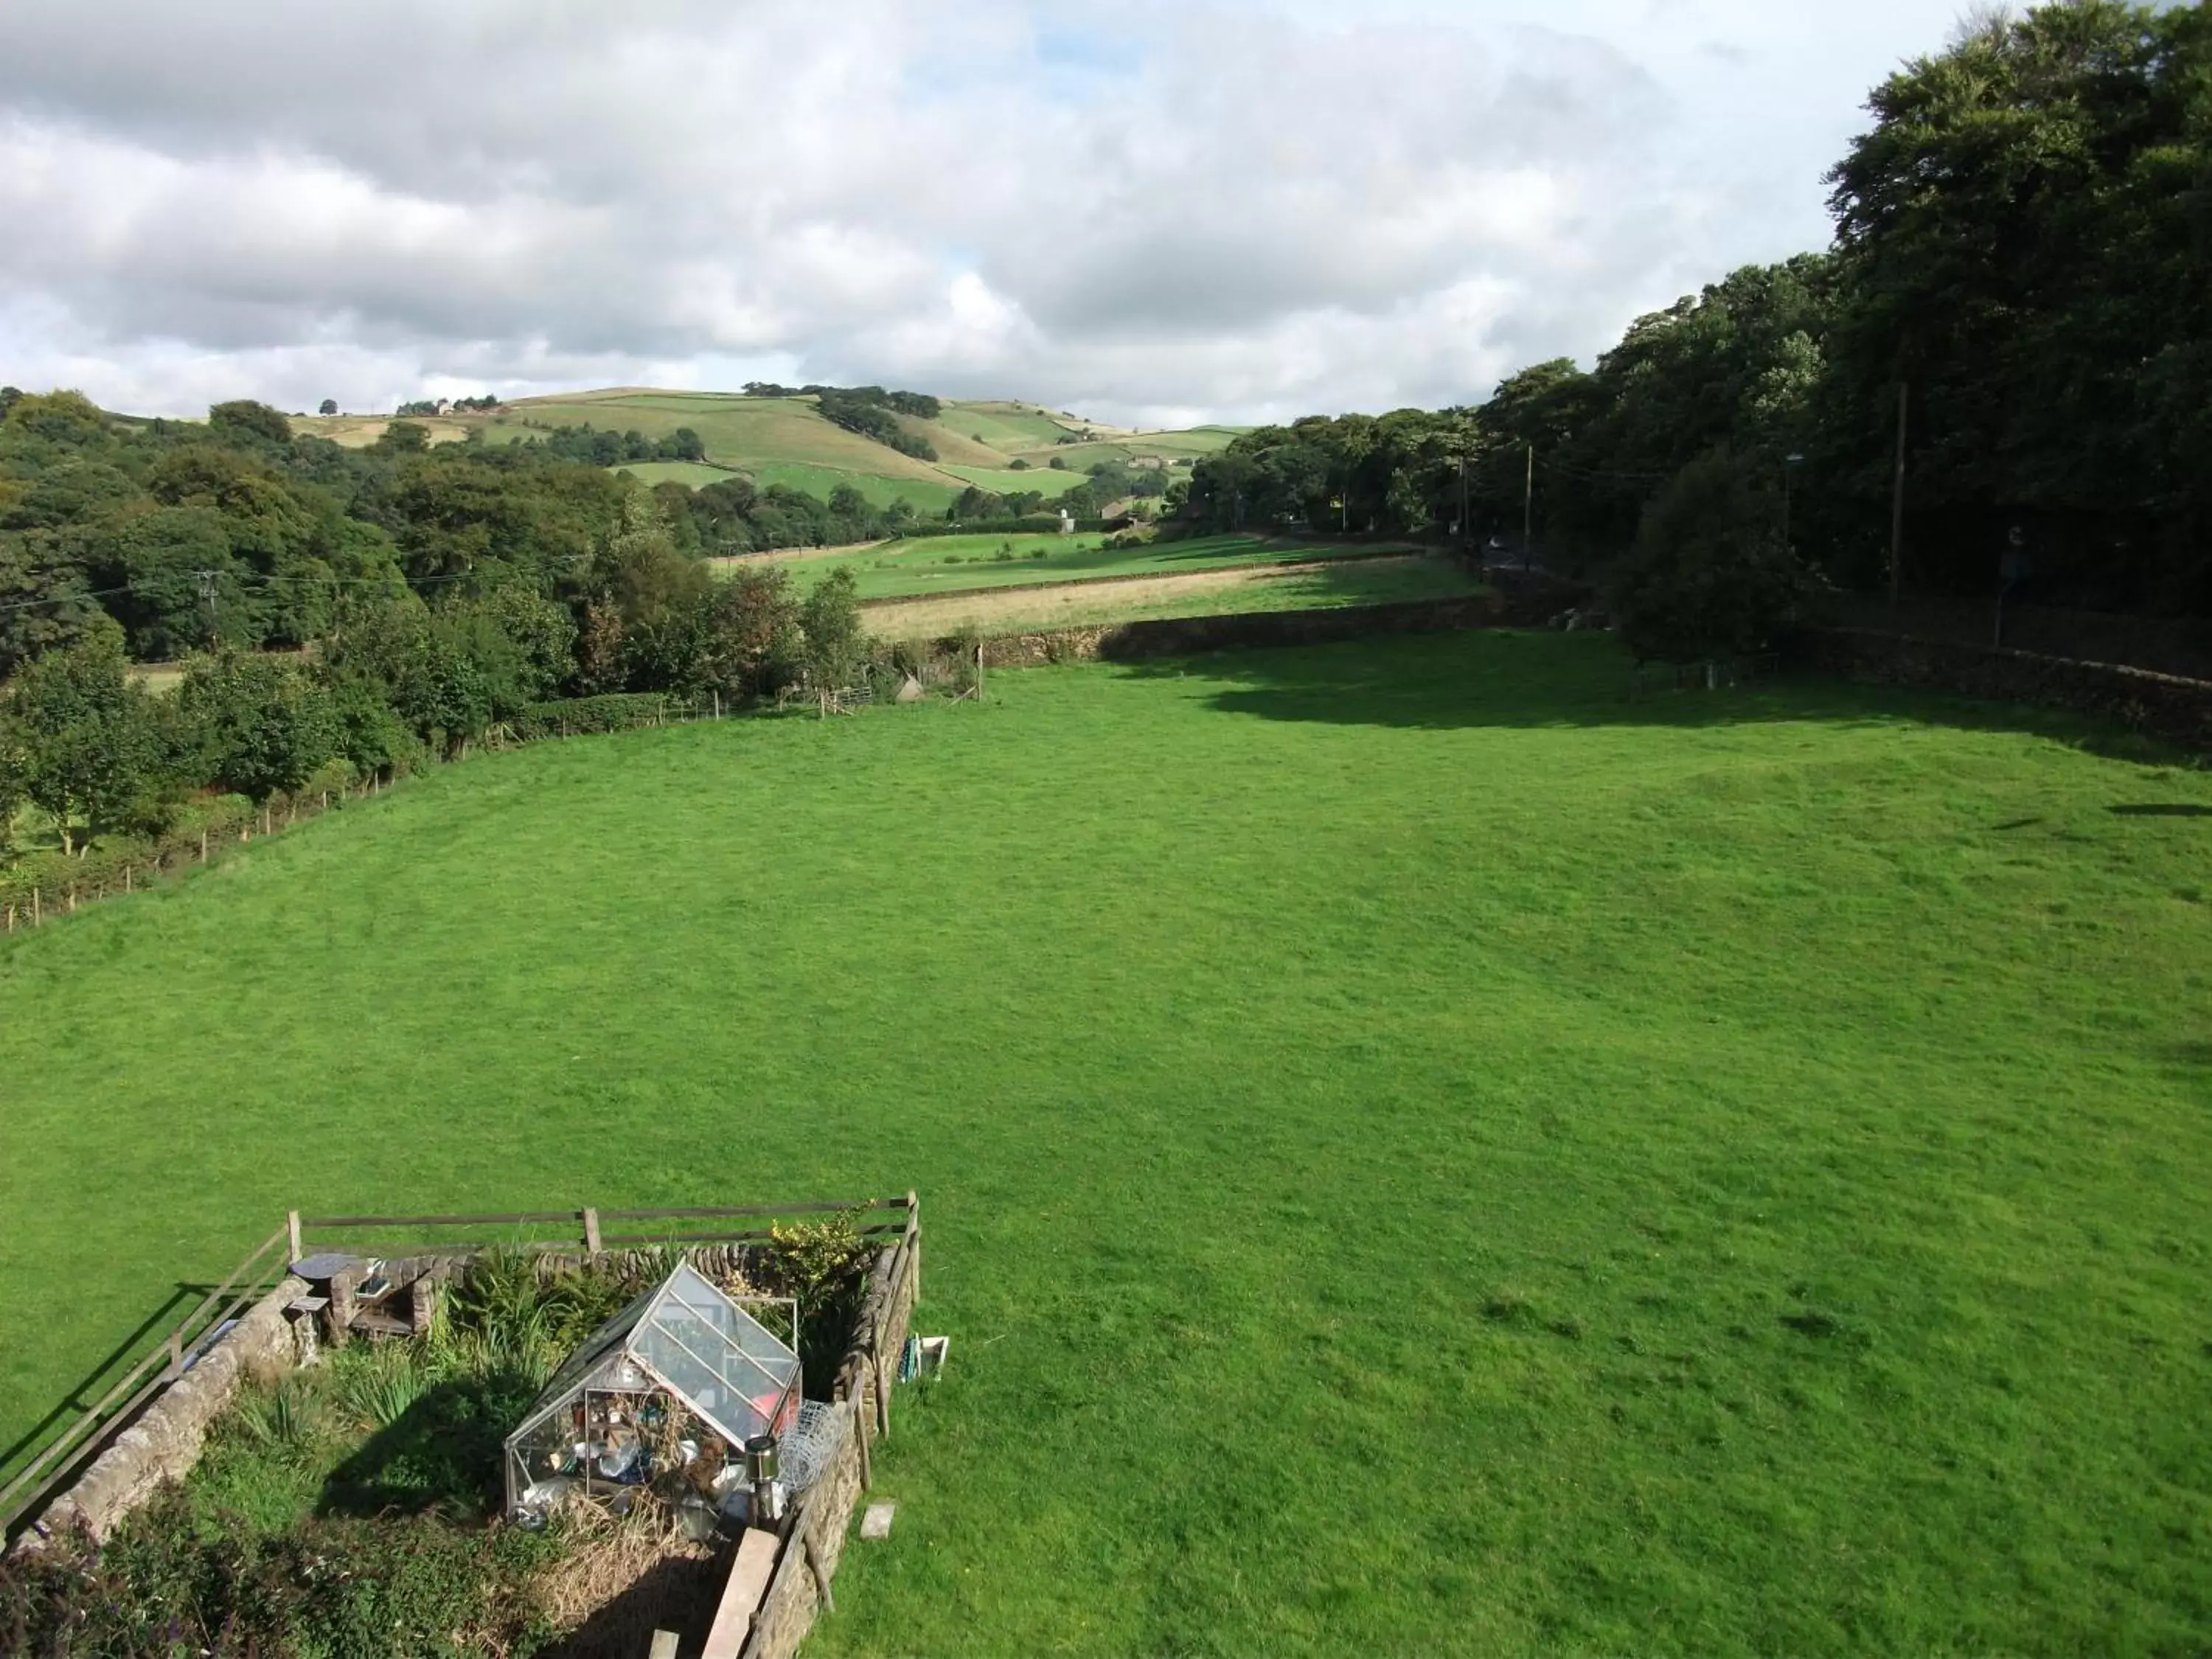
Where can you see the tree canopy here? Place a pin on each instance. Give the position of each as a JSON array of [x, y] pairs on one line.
[[2021, 243]]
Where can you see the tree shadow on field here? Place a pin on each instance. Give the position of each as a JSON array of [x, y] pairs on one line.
[[1535, 678], [444, 1452]]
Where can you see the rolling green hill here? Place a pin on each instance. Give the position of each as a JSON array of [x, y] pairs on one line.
[[787, 441]]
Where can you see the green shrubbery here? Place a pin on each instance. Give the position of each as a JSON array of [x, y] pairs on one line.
[[1709, 576], [572, 716]]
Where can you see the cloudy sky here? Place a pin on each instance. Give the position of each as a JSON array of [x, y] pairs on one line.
[[1245, 209]]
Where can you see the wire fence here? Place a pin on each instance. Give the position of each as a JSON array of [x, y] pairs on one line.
[[33, 893]]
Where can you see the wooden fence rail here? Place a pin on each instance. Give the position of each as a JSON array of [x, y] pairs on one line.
[[174, 1352]]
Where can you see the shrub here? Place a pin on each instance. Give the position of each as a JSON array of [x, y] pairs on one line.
[[397, 1586], [1709, 576], [829, 621]]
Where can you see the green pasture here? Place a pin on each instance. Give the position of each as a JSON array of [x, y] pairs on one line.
[[930, 498], [747, 432], [1007, 480], [692, 475], [1338, 583], [932, 564], [1419, 1154], [1010, 427]]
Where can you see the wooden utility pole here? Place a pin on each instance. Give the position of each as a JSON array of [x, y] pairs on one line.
[[1465, 529], [1897, 504], [1529, 511]]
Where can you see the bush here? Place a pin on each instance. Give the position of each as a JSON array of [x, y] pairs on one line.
[[350, 1589], [1709, 576]]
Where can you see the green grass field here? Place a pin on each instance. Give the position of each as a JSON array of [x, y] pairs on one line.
[[929, 497], [748, 432], [692, 475], [1011, 428], [1007, 480], [933, 564], [1337, 583], [1419, 1155]]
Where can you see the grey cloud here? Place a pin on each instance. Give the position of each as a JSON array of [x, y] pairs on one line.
[[1230, 212]]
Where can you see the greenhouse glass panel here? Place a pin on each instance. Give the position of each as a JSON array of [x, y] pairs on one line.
[[684, 1342]]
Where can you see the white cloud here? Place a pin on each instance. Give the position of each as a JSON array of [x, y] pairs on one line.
[[1253, 210]]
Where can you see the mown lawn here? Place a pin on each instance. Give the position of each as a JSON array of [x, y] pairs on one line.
[[1419, 1155]]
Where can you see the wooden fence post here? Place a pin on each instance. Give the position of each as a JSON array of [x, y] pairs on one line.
[[814, 1566], [292, 1234], [592, 1232], [37, 920]]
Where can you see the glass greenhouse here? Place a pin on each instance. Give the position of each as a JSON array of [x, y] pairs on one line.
[[633, 1401]]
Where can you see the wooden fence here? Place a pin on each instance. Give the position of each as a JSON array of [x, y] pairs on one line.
[[93, 1425]]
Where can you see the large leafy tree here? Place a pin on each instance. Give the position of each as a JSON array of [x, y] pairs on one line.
[[258, 724], [1710, 575], [93, 750], [2024, 230], [44, 600]]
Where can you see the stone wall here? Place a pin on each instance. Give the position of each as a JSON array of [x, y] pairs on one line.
[[2164, 706], [822, 1522], [164, 1443]]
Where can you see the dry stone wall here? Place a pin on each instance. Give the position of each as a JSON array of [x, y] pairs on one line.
[[165, 1443], [2164, 706]]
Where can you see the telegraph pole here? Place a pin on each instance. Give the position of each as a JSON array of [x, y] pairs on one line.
[[1896, 505], [1529, 511], [1465, 529], [208, 597]]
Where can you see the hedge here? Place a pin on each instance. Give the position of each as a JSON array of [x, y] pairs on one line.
[[1035, 524], [617, 711]]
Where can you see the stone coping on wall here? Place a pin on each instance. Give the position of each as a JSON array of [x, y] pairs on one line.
[[165, 1442]]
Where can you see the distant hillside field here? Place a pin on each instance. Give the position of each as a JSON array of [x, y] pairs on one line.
[[787, 440]]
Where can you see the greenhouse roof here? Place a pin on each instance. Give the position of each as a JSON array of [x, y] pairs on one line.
[[688, 1338]]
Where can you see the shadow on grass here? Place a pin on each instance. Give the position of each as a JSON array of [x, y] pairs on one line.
[[2162, 810], [1535, 678], [441, 1454], [675, 1595]]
